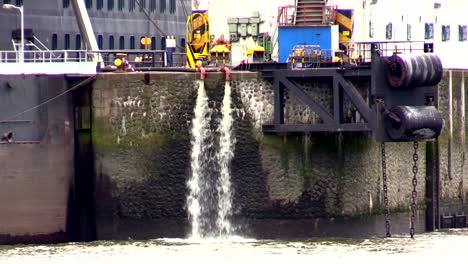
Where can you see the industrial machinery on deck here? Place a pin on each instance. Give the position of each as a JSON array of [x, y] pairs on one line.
[[198, 38]]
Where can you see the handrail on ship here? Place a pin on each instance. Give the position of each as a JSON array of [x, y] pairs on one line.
[[144, 57], [46, 56], [362, 50]]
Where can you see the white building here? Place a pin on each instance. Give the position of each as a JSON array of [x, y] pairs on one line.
[[441, 22]]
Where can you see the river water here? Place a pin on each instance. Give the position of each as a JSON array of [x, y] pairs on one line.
[[435, 247]]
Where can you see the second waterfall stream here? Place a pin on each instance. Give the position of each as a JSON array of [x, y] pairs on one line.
[[210, 190]]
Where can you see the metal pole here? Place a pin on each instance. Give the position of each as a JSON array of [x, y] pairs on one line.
[[20, 8], [22, 34]]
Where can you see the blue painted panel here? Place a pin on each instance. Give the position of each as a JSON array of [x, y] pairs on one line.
[[308, 35]]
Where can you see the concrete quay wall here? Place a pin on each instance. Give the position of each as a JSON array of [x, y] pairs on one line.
[[141, 142]]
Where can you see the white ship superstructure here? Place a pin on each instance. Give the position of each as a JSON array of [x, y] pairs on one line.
[[441, 23]]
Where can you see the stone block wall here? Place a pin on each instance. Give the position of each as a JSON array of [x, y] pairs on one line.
[[141, 139]]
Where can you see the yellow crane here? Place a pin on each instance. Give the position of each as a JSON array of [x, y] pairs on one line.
[[198, 38]]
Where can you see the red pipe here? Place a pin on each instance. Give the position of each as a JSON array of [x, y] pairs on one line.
[[202, 72], [225, 69]]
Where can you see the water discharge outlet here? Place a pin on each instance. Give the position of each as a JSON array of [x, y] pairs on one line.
[[224, 157], [200, 136], [210, 193]]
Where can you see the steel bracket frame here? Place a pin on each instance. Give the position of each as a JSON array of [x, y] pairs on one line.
[[331, 122]]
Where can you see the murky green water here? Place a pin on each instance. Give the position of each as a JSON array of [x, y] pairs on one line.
[[437, 247]]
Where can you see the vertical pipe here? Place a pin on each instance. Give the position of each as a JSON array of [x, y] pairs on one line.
[[436, 182], [22, 34], [450, 127], [431, 211], [462, 134]]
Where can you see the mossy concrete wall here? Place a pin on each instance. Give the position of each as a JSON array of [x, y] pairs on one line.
[[452, 142], [141, 140]]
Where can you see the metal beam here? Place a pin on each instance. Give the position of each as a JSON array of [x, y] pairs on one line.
[[337, 102], [304, 128], [279, 102], [328, 72], [86, 29]]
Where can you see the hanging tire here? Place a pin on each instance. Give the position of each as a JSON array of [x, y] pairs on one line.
[[414, 70], [420, 73], [398, 71], [437, 70], [413, 123]]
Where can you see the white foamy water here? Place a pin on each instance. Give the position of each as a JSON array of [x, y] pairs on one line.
[[435, 247], [210, 198], [200, 134], [225, 154]]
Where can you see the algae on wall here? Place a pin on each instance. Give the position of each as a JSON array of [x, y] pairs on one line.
[[141, 141]]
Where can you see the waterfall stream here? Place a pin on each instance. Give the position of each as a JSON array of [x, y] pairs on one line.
[[200, 130], [210, 198], [225, 154]]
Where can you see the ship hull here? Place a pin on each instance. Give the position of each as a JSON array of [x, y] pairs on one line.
[[37, 173]]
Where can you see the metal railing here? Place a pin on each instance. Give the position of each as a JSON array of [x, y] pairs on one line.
[[310, 56], [361, 52], [287, 15], [145, 58], [43, 56], [137, 58]]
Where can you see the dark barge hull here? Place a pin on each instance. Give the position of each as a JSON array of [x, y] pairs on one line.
[[37, 167]]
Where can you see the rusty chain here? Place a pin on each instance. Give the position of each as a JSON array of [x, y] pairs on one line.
[[385, 190], [415, 183]]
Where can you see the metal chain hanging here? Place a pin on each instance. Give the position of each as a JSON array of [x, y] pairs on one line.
[[415, 183], [385, 190]]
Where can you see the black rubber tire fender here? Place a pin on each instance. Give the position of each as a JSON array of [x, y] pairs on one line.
[[416, 123]]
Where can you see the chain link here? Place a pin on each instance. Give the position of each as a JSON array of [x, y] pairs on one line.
[[385, 190], [415, 183]]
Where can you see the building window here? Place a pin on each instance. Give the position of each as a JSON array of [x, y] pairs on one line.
[[389, 31], [78, 42], [462, 33], [428, 31], [54, 41], [446, 33], [131, 5], [89, 4], [6, 1], [162, 6], [100, 42], [153, 43], [121, 4], [110, 5], [122, 42], [371, 29], [66, 3], [99, 4], [19, 2], [172, 6], [408, 32], [111, 42], [142, 5], [182, 43], [67, 41], [132, 42], [152, 5], [163, 43]]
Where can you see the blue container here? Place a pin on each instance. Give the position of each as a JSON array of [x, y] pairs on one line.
[[289, 36]]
